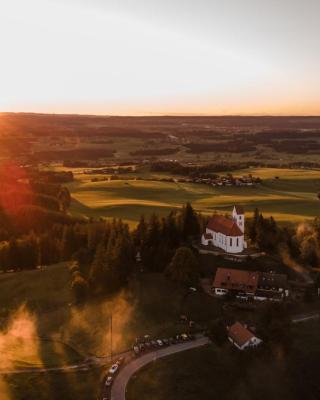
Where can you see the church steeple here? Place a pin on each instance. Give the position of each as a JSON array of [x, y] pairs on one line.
[[238, 217]]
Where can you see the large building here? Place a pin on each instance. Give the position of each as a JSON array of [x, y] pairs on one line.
[[250, 285], [226, 233]]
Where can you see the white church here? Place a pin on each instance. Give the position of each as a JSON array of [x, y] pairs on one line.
[[226, 233]]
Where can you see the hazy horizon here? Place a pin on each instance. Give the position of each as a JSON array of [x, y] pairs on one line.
[[199, 58]]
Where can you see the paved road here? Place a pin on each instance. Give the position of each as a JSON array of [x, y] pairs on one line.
[[118, 391], [305, 317]]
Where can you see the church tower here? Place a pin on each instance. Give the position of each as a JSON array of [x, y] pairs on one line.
[[238, 216]]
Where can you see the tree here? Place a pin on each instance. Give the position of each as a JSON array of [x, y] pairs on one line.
[[183, 268], [64, 198], [68, 242], [119, 261], [218, 332], [252, 226], [139, 234], [79, 287], [309, 251], [97, 269], [189, 222]]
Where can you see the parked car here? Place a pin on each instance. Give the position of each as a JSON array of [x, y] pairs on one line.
[[159, 342], [109, 381], [154, 343], [165, 342], [192, 289], [141, 346], [148, 345], [136, 349], [184, 337], [114, 368]]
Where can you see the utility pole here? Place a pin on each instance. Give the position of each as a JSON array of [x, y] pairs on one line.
[[111, 336]]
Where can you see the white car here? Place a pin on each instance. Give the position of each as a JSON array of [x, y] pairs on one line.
[[109, 381], [159, 342], [113, 369]]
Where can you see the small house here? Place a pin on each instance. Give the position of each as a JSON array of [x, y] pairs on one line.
[[241, 337]]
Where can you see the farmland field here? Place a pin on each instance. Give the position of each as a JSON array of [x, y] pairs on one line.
[[292, 197]]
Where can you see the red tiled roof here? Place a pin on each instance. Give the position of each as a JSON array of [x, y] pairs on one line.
[[239, 334], [236, 279], [239, 209], [224, 225]]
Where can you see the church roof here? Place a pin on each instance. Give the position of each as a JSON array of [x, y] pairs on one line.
[[224, 225]]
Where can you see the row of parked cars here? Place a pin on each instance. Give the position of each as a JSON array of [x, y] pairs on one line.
[[146, 343], [108, 381]]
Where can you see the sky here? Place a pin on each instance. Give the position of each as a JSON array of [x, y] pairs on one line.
[[146, 57]]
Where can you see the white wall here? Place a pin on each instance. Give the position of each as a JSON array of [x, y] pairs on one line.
[[231, 244], [235, 244], [239, 218]]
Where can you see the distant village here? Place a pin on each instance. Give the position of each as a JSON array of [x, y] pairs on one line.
[[228, 180], [207, 179]]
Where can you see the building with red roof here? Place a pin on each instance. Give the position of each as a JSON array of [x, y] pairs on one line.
[[226, 233], [255, 285], [242, 337]]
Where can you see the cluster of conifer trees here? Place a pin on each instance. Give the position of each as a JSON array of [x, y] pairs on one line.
[[302, 243], [113, 253]]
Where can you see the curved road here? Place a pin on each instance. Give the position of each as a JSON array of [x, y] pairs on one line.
[[118, 390]]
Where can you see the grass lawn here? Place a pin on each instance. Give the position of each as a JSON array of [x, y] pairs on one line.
[[43, 309], [223, 373], [52, 386], [291, 198], [151, 305]]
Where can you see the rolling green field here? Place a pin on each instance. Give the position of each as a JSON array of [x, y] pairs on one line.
[[291, 198]]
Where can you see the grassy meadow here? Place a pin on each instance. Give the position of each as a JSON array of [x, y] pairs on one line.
[[52, 386], [291, 198], [211, 372], [42, 328]]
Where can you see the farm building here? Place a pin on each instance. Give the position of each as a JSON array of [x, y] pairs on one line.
[[226, 233], [241, 337]]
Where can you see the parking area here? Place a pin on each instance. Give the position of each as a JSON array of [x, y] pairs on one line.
[[147, 343], [141, 346]]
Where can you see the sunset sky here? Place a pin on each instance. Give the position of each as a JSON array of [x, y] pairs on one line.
[[160, 56]]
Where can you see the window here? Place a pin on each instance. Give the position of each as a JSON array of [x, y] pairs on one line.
[[237, 242], [230, 241]]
